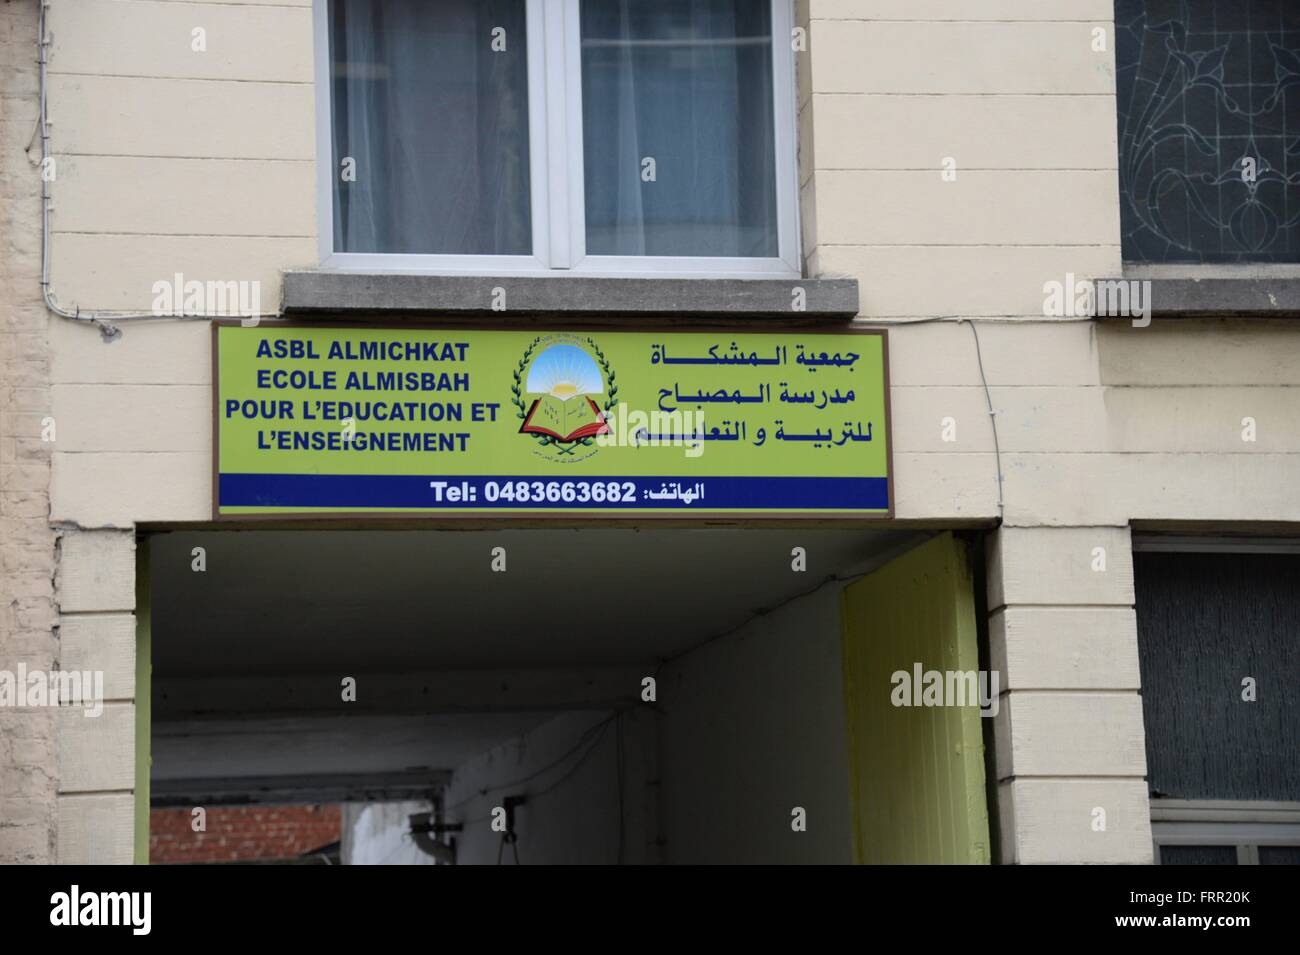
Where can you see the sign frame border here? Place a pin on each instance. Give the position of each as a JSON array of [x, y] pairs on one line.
[[628, 517]]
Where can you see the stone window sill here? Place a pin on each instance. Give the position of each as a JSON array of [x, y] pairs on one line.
[[1218, 297], [381, 294]]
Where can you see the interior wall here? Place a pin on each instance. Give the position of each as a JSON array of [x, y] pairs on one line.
[[752, 726], [496, 709], [568, 770], [745, 729], [917, 770]]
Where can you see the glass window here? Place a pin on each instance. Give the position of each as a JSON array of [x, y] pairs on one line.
[[677, 127], [527, 136], [1198, 855], [1213, 630], [1209, 130], [430, 127], [1279, 855]]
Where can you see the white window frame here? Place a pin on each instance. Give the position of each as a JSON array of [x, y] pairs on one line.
[[556, 171], [1244, 825]]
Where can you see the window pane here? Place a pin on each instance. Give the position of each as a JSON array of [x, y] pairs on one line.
[[1279, 855], [1198, 855], [436, 122], [1205, 622], [678, 131], [1209, 129]]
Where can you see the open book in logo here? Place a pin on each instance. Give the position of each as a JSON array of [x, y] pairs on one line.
[[564, 420], [564, 377]]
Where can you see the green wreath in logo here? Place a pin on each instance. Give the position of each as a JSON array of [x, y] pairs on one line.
[[517, 391]]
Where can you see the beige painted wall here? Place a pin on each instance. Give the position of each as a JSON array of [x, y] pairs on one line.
[[202, 163], [1069, 739], [171, 161]]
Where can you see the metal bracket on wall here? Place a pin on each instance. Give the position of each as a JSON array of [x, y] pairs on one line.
[[424, 833]]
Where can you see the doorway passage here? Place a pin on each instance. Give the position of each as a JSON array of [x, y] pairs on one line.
[[541, 695]]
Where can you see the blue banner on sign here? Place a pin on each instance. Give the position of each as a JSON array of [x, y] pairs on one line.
[[457, 492]]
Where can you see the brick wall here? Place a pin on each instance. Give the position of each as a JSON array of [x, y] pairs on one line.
[[28, 619], [242, 834]]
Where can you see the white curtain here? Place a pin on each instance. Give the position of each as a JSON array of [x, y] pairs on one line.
[[687, 84], [436, 122]]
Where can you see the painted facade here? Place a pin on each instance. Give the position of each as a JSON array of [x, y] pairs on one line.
[[953, 158]]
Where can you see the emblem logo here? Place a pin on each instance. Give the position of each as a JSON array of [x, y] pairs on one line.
[[563, 390]]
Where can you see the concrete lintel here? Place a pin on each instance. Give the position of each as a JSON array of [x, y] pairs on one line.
[[442, 691], [297, 790], [347, 293]]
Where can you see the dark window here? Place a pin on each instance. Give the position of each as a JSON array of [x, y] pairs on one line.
[[1209, 129], [1279, 855], [1206, 623], [1198, 855]]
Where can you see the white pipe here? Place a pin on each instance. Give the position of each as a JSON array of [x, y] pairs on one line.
[[102, 321]]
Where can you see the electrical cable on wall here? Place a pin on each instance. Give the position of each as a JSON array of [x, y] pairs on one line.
[[591, 738], [103, 320], [993, 415], [583, 740], [988, 396]]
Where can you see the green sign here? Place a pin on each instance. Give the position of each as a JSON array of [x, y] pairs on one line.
[[331, 419]]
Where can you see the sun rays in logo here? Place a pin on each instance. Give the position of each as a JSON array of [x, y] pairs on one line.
[[564, 371]]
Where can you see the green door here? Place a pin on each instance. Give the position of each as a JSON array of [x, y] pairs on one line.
[[916, 771]]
